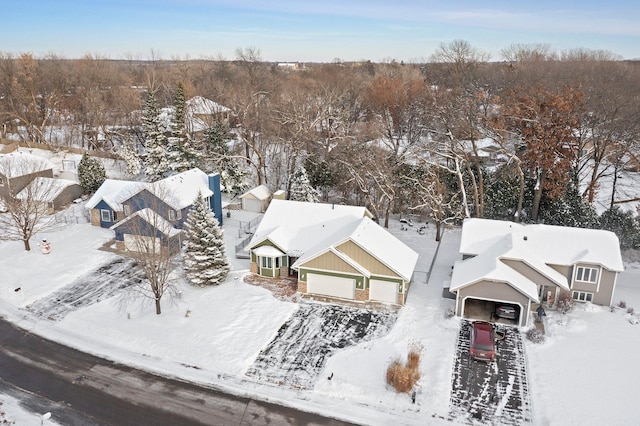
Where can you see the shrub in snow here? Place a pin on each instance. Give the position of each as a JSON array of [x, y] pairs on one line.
[[630, 311], [404, 377], [622, 304], [449, 313], [535, 335], [634, 320], [565, 302]]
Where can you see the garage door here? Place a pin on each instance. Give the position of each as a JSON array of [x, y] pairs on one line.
[[140, 243], [344, 288], [383, 291], [251, 205]]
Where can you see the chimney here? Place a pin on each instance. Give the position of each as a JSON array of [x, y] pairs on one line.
[[215, 202]]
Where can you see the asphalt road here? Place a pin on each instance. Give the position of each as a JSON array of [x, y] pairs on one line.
[[93, 390]]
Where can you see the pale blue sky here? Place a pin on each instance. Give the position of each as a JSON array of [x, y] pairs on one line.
[[322, 30]]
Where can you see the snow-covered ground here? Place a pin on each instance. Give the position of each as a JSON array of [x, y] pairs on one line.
[[584, 373]]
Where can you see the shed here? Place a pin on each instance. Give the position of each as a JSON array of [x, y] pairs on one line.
[[256, 200]]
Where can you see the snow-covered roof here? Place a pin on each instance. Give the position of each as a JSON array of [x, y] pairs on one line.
[[113, 192], [305, 230], [260, 192], [182, 189], [295, 226], [555, 245], [20, 163], [179, 191], [45, 188], [488, 266], [375, 240], [151, 217], [200, 105]]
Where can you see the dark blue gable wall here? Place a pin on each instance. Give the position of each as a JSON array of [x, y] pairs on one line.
[[215, 202], [102, 205]]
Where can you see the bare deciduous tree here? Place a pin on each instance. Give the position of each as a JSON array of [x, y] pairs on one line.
[[27, 207]]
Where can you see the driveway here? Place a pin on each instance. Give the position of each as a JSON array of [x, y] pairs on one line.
[[297, 355], [491, 393], [104, 282]]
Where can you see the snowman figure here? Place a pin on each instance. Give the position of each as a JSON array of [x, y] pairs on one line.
[[45, 246]]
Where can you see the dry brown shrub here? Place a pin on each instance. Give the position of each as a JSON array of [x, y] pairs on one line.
[[404, 377]]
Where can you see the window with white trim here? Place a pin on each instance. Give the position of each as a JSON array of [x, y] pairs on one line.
[[127, 210], [105, 215], [266, 262], [582, 296], [1, 181], [587, 275], [174, 215]]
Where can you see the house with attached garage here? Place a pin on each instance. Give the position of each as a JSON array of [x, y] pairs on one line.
[[527, 265], [155, 211], [335, 251]]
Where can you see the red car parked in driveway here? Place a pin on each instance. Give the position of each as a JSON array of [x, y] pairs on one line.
[[483, 341]]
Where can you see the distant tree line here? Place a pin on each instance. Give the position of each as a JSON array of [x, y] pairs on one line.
[[537, 136]]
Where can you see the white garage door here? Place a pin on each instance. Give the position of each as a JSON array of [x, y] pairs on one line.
[[324, 285], [383, 291], [251, 205], [140, 243]]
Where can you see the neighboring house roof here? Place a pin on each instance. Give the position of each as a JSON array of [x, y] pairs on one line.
[[183, 188], [372, 238], [200, 105], [152, 218], [555, 245], [45, 188], [295, 226], [20, 163], [113, 192], [179, 191], [259, 193]]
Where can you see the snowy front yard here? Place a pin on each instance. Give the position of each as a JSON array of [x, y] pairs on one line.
[[584, 373]]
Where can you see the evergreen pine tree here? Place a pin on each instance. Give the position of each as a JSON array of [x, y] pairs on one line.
[[91, 173], [300, 187], [130, 155], [218, 158], [205, 259], [179, 155], [155, 141]]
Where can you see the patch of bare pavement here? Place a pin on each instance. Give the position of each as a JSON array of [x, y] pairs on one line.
[[107, 393], [491, 393]]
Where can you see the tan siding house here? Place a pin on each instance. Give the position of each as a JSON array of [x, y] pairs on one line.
[[336, 251], [529, 265]]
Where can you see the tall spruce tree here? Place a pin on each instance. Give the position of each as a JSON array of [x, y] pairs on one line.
[[130, 155], [300, 187], [179, 155], [91, 173], [205, 259], [156, 164], [218, 158]]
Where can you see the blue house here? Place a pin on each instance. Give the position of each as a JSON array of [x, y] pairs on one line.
[[170, 199]]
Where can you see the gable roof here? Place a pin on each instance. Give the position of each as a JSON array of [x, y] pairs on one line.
[[259, 193], [180, 189], [554, 245], [295, 226], [488, 267], [307, 230], [45, 188], [152, 218], [372, 238], [20, 163], [113, 192]]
